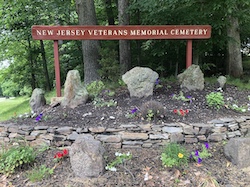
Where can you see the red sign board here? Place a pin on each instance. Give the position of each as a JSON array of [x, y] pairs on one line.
[[125, 32]]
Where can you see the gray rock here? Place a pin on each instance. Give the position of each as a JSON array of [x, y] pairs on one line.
[[37, 100], [222, 81], [172, 129], [140, 81], [216, 137], [74, 92], [73, 136], [237, 150], [192, 78], [64, 130], [86, 157], [177, 137]]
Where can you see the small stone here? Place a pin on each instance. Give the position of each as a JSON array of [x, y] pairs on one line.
[[111, 117]]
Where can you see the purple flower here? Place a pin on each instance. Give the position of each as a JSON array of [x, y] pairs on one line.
[[190, 98], [39, 117], [157, 81], [199, 160], [207, 145], [196, 153], [133, 111]]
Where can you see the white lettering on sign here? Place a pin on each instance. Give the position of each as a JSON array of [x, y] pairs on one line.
[[44, 32], [121, 32], [107, 32], [186, 32], [148, 32], [69, 32]]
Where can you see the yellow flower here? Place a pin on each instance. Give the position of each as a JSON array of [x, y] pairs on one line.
[[180, 155]]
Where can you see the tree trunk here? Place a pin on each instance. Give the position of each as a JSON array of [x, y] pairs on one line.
[[235, 68], [124, 45], [87, 16], [109, 12], [45, 68], [32, 73]]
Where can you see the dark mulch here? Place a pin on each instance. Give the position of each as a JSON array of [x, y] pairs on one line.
[[133, 172], [89, 115]]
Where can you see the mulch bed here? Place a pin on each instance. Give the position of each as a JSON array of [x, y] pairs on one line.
[[145, 161]]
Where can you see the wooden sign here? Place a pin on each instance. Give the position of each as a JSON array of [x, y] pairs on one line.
[[117, 32], [126, 32]]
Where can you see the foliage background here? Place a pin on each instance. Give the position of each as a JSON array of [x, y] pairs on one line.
[[31, 63]]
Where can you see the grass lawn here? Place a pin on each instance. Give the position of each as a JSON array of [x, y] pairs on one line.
[[20, 105], [13, 107]]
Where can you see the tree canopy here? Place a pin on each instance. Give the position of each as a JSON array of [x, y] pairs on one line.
[[31, 63]]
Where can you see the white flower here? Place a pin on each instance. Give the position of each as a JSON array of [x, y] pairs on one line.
[[118, 154], [112, 169], [234, 105], [146, 176], [128, 153]]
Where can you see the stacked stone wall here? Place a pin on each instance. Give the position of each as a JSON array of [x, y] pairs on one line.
[[131, 135]]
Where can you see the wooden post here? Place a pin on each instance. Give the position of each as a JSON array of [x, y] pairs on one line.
[[57, 69], [189, 53]]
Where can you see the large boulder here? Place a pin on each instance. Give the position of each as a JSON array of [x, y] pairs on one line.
[[192, 78], [140, 81], [237, 150], [87, 157], [37, 100], [74, 92]]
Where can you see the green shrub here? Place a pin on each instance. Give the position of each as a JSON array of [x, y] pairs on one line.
[[14, 157], [95, 88], [215, 100], [174, 155], [110, 68]]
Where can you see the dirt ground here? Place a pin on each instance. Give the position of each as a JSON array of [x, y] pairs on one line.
[[146, 162]]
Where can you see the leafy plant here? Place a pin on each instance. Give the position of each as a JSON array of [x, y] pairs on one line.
[[198, 156], [132, 113], [14, 157], [238, 108], [95, 88], [99, 102], [181, 97], [215, 100], [174, 155], [39, 173], [232, 104], [152, 109], [120, 158]]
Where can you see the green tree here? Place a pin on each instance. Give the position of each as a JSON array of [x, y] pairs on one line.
[[33, 60], [191, 12]]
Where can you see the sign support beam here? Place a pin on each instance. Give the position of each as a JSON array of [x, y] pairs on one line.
[[57, 69], [189, 54]]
